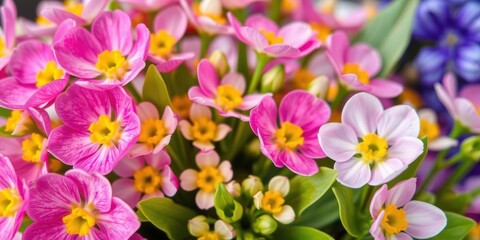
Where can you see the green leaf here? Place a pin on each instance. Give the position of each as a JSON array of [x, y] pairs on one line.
[[226, 207], [304, 191], [154, 89], [453, 202], [412, 169], [297, 232], [168, 216], [350, 216], [457, 227], [389, 32], [4, 113], [320, 214], [141, 216], [426, 197]]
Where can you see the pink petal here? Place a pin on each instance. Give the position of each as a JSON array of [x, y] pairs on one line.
[[361, 112], [351, 80], [124, 189], [113, 31], [270, 149], [225, 169], [227, 45], [311, 147], [378, 201], [32, 53], [146, 110], [397, 122], [338, 141], [9, 14], [173, 62], [47, 93], [158, 160], [102, 161], [298, 163], [403, 236], [366, 57], [120, 222], [50, 229], [386, 170], [252, 100], [236, 80], [296, 34], [93, 188], [204, 199], [338, 46], [353, 173], [470, 92], [402, 192], [442, 143], [263, 118], [70, 146], [397, 150], [139, 149], [127, 166], [450, 83], [222, 131], [207, 159], [185, 128], [446, 100], [253, 38], [385, 88], [169, 119], [198, 111], [173, 20], [63, 28], [282, 50], [259, 22], [207, 78], [467, 114], [376, 229], [424, 220], [8, 228], [138, 54], [320, 65], [17, 96], [57, 15], [93, 8], [7, 173], [170, 182], [188, 180]]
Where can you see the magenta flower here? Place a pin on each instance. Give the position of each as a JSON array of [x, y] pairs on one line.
[[37, 78], [155, 133], [369, 145], [13, 200], [357, 65], [78, 205], [207, 16], [224, 43], [294, 143], [226, 95], [105, 57], [81, 11], [144, 177], [8, 13], [149, 5], [237, 4], [169, 27], [293, 40], [99, 128], [396, 216], [463, 108]]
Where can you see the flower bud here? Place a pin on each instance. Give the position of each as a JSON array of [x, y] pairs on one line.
[[211, 7], [198, 225], [253, 148], [319, 86], [234, 188], [265, 225], [220, 62], [273, 79], [470, 148], [252, 185]]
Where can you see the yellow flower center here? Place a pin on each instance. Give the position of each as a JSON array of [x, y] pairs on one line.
[[289, 136], [303, 78], [74, 7], [322, 31], [412, 97], [147, 180], [79, 222], [3, 48], [209, 178], [153, 130], [10, 202], [204, 130], [113, 64], [32, 148], [271, 37], [429, 129], [162, 43], [181, 105], [272, 202], [49, 74], [228, 97], [394, 220], [289, 5], [218, 18], [373, 148], [474, 234], [353, 68], [105, 131], [13, 120], [210, 236]]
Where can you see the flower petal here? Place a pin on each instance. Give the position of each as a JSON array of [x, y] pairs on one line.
[[376, 229], [207, 78], [188, 180], [402, 192], [397, 150], [113, 31], [173, 20], [207, 159], [93, 188], [204, 199], [298, 163], [353, 173], [397, 122], [378, 201], [286, 216], [279, 184], [385, 88], [424, 220], [338, 141], [386, 170], [361, 112], [120, 222], [124, 189], [366, 57]]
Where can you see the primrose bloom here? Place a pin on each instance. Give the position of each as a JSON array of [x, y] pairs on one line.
[[226, 95], [396, 216], [199, 227], [149, 5], [144, 177], [463, 108], [430, 128], [37, 78], [99, 128], [13, 199], [273, 200], [8, 13], [82, 12], [19, 123], [293, 40], [368, 146], [294, 143], [203, 130], [210, 175], [357, 65], [155, 133], [169, 26], [207, 16], [77, 205], [105, 57]]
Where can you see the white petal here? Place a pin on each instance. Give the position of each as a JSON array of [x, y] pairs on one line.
[[286, 216], [207, 159], [279, 184], [361, 112], [353, 173], [257, 199], [397, 150], [204, 199], [386, 171], [338, 141], [442, 143], [427, 114], [398, 121], [424, 220], [224, 230]]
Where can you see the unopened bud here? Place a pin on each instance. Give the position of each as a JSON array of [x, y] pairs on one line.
[[273, 79], [319, 86], [470, 148], [252, 185], [234, 188], [220, 62], [265, 225]]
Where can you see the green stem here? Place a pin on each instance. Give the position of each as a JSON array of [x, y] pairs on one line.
[[205, 42], [262, 60], [342, 93], [365, 196], [455, 159], [136, 96], [463, 169]]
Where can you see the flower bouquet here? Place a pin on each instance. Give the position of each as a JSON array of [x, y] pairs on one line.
[[240, 119]]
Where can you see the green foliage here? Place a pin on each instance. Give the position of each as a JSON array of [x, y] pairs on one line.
[[297, 232], [155, 90], [352, 221], [226, 207]]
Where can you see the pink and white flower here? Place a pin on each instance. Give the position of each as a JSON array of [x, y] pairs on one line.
[[368, 146], [203, 130], [8, 13], [294, 143], [169, 27], [207, 16], [99, 128], [225, 95], [75, 206], [293, 40], [357, 65], [144, 177], [211, 173], [14, 198], [413, 219], [463, 107], [155, 133], [272, 201], [82, 12], [430, 128], [107, 56]]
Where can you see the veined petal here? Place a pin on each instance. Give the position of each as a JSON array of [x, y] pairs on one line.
[[397, 150], [254, 38], [207, 78], [124, 189], [113, 31], [296, 34], [353, 173], [235, 79], [386, 170], [259, 22], [361, 112], [70, 146], [424, 220], [402, 192], [120, 222], [366, 57], [32, 53], [378, 201], [338, 141], [263, 118], [173, 20], [93, 8], [376, 229], [298, 163], [397, 122]]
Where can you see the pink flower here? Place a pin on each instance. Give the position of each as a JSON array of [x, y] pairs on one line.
[[37, 78], [225, 95], [149, 5], [294, 143], [8, 13], [144, 177], [169, 26], [225, 44], [99, 128], [430, 128], [293, 40], [202, 130], [155, 133], [13, 198], [463, 108], [370, 136], [411, 218], [82, 12], [357, 65], [78, 205], [237, 4], [210, 175], [207, 16], [105, 57]]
